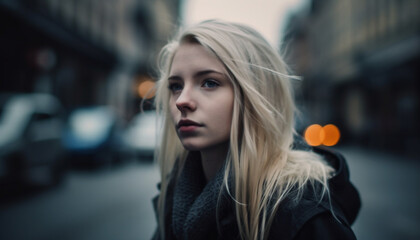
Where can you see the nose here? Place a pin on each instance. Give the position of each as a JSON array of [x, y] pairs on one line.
[[185, 101]]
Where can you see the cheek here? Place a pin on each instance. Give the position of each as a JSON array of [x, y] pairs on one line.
[[173, 109], [229, 107], [224, 113], [224, 123], [228, 117]]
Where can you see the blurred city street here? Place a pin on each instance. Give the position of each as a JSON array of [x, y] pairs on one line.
[[389, 186], [77, 82], [109, 203], [115, 203]]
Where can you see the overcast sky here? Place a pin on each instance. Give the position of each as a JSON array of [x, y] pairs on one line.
[[267, 16]]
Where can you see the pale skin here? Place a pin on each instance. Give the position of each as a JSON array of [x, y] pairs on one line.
[[201, 104]]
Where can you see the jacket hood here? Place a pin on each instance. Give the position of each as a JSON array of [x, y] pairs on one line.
[[342, 191]]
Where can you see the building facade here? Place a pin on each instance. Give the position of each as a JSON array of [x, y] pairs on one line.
[[359, 60], [85, 52]]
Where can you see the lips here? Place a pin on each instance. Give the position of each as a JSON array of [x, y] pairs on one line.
[[187, 126], [187, 123]]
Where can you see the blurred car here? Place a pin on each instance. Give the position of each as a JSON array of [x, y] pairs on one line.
[[142, 136], [30, 139], [93, 137]]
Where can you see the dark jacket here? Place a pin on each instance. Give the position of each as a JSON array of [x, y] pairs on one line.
[[191, 207]]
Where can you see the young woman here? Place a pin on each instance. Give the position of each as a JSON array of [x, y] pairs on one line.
[[230, 166]]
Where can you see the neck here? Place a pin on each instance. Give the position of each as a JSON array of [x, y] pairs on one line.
[[213, 159]]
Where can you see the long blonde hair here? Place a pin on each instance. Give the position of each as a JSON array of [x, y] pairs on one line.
[[261, 161]]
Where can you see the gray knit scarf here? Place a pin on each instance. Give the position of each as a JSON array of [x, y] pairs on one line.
[[195, 204]]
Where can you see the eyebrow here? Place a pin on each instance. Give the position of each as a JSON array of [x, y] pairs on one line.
[[197, 74]]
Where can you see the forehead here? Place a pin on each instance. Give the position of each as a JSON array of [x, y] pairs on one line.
[[192, 57]]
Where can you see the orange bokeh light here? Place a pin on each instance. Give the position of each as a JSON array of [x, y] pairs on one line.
[[316, 135], [332, 135], [146, 89]]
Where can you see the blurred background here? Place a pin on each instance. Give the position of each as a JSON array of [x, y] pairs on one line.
[[76, 151]]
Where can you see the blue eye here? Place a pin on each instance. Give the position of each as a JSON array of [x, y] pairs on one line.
[[174, 87], [210, 84]]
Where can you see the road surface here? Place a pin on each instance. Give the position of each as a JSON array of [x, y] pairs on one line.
[[115, 203]]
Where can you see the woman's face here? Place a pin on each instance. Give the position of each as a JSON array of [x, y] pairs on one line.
[[201, 100]]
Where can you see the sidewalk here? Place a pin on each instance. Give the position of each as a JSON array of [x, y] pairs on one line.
[[389, 186]]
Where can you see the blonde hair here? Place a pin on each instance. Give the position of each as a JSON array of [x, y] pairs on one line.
[[262, 164]]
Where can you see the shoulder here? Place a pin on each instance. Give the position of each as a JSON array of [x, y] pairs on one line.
[[310, 219], [343, 193], [324, 226]]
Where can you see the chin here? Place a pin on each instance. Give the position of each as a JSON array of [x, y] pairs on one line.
[[202, 146], [192, 147]]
